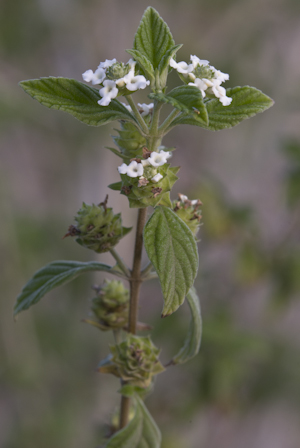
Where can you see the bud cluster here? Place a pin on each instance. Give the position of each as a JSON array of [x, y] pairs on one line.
[[135, 360], [116, 78], [98, 228], [188, 211], [111, 305]]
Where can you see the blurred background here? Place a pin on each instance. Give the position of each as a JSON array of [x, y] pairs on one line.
[[243, 390]]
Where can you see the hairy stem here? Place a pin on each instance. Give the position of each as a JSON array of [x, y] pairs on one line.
[[136, 278], [168, 121], [135, 283]]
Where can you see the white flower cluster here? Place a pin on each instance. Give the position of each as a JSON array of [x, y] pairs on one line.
[[110, 88], [203, 76], [137, 169]]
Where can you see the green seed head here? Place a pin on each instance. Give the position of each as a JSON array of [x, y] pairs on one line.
[[98, 228], [135, 360], [111, 305], [189, 212]]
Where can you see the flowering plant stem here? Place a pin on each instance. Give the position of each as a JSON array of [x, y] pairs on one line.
[[170, 234], [135, 284]]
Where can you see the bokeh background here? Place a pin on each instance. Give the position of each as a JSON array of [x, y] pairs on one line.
[[243, 390]]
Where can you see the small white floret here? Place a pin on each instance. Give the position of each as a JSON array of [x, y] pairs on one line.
[[107, 63], [165, 154], [135, 82], [196, 61], [135, 169], [108, 92], [157, 177], [88, 75], [157, 159], [145, 109], [123, 168], [127, 106], [181, 67]]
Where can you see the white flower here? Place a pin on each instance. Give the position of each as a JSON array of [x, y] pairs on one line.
[[135, 169], [157, 177], [108, 92], [165, 154], [220, 92], [135, 82], [145, 109], [221, 76], [107, 63], [195, 201], [157, 159], [88, 75], [181, 67], [127, 106], [202, 85], [196, 61], [123, 168], [225, 100], [94, 78], [183, 197], [145, 162]]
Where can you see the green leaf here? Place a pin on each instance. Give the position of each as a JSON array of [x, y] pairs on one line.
[[164, 65], [141, 431], [116, 186], [144, 63], [153, 37], [187, 99], [55, 274], [75, 98], [193, 339], [246, 102], [172, 250]]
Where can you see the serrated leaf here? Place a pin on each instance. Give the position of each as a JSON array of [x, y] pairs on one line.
[[144, 63], [75, 98], [141, 431], [246, 102], [55, 274], [193, 339], [172, 250], [164, 65], [153, 37], [187, 99]]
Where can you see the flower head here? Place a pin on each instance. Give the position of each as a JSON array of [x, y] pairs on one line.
[[114, 76], [203, 76]]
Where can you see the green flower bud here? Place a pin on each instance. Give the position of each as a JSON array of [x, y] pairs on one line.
[[117, 71], [97, 227], [189, 212], [135, 360], [111, 306], [204, 71]]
